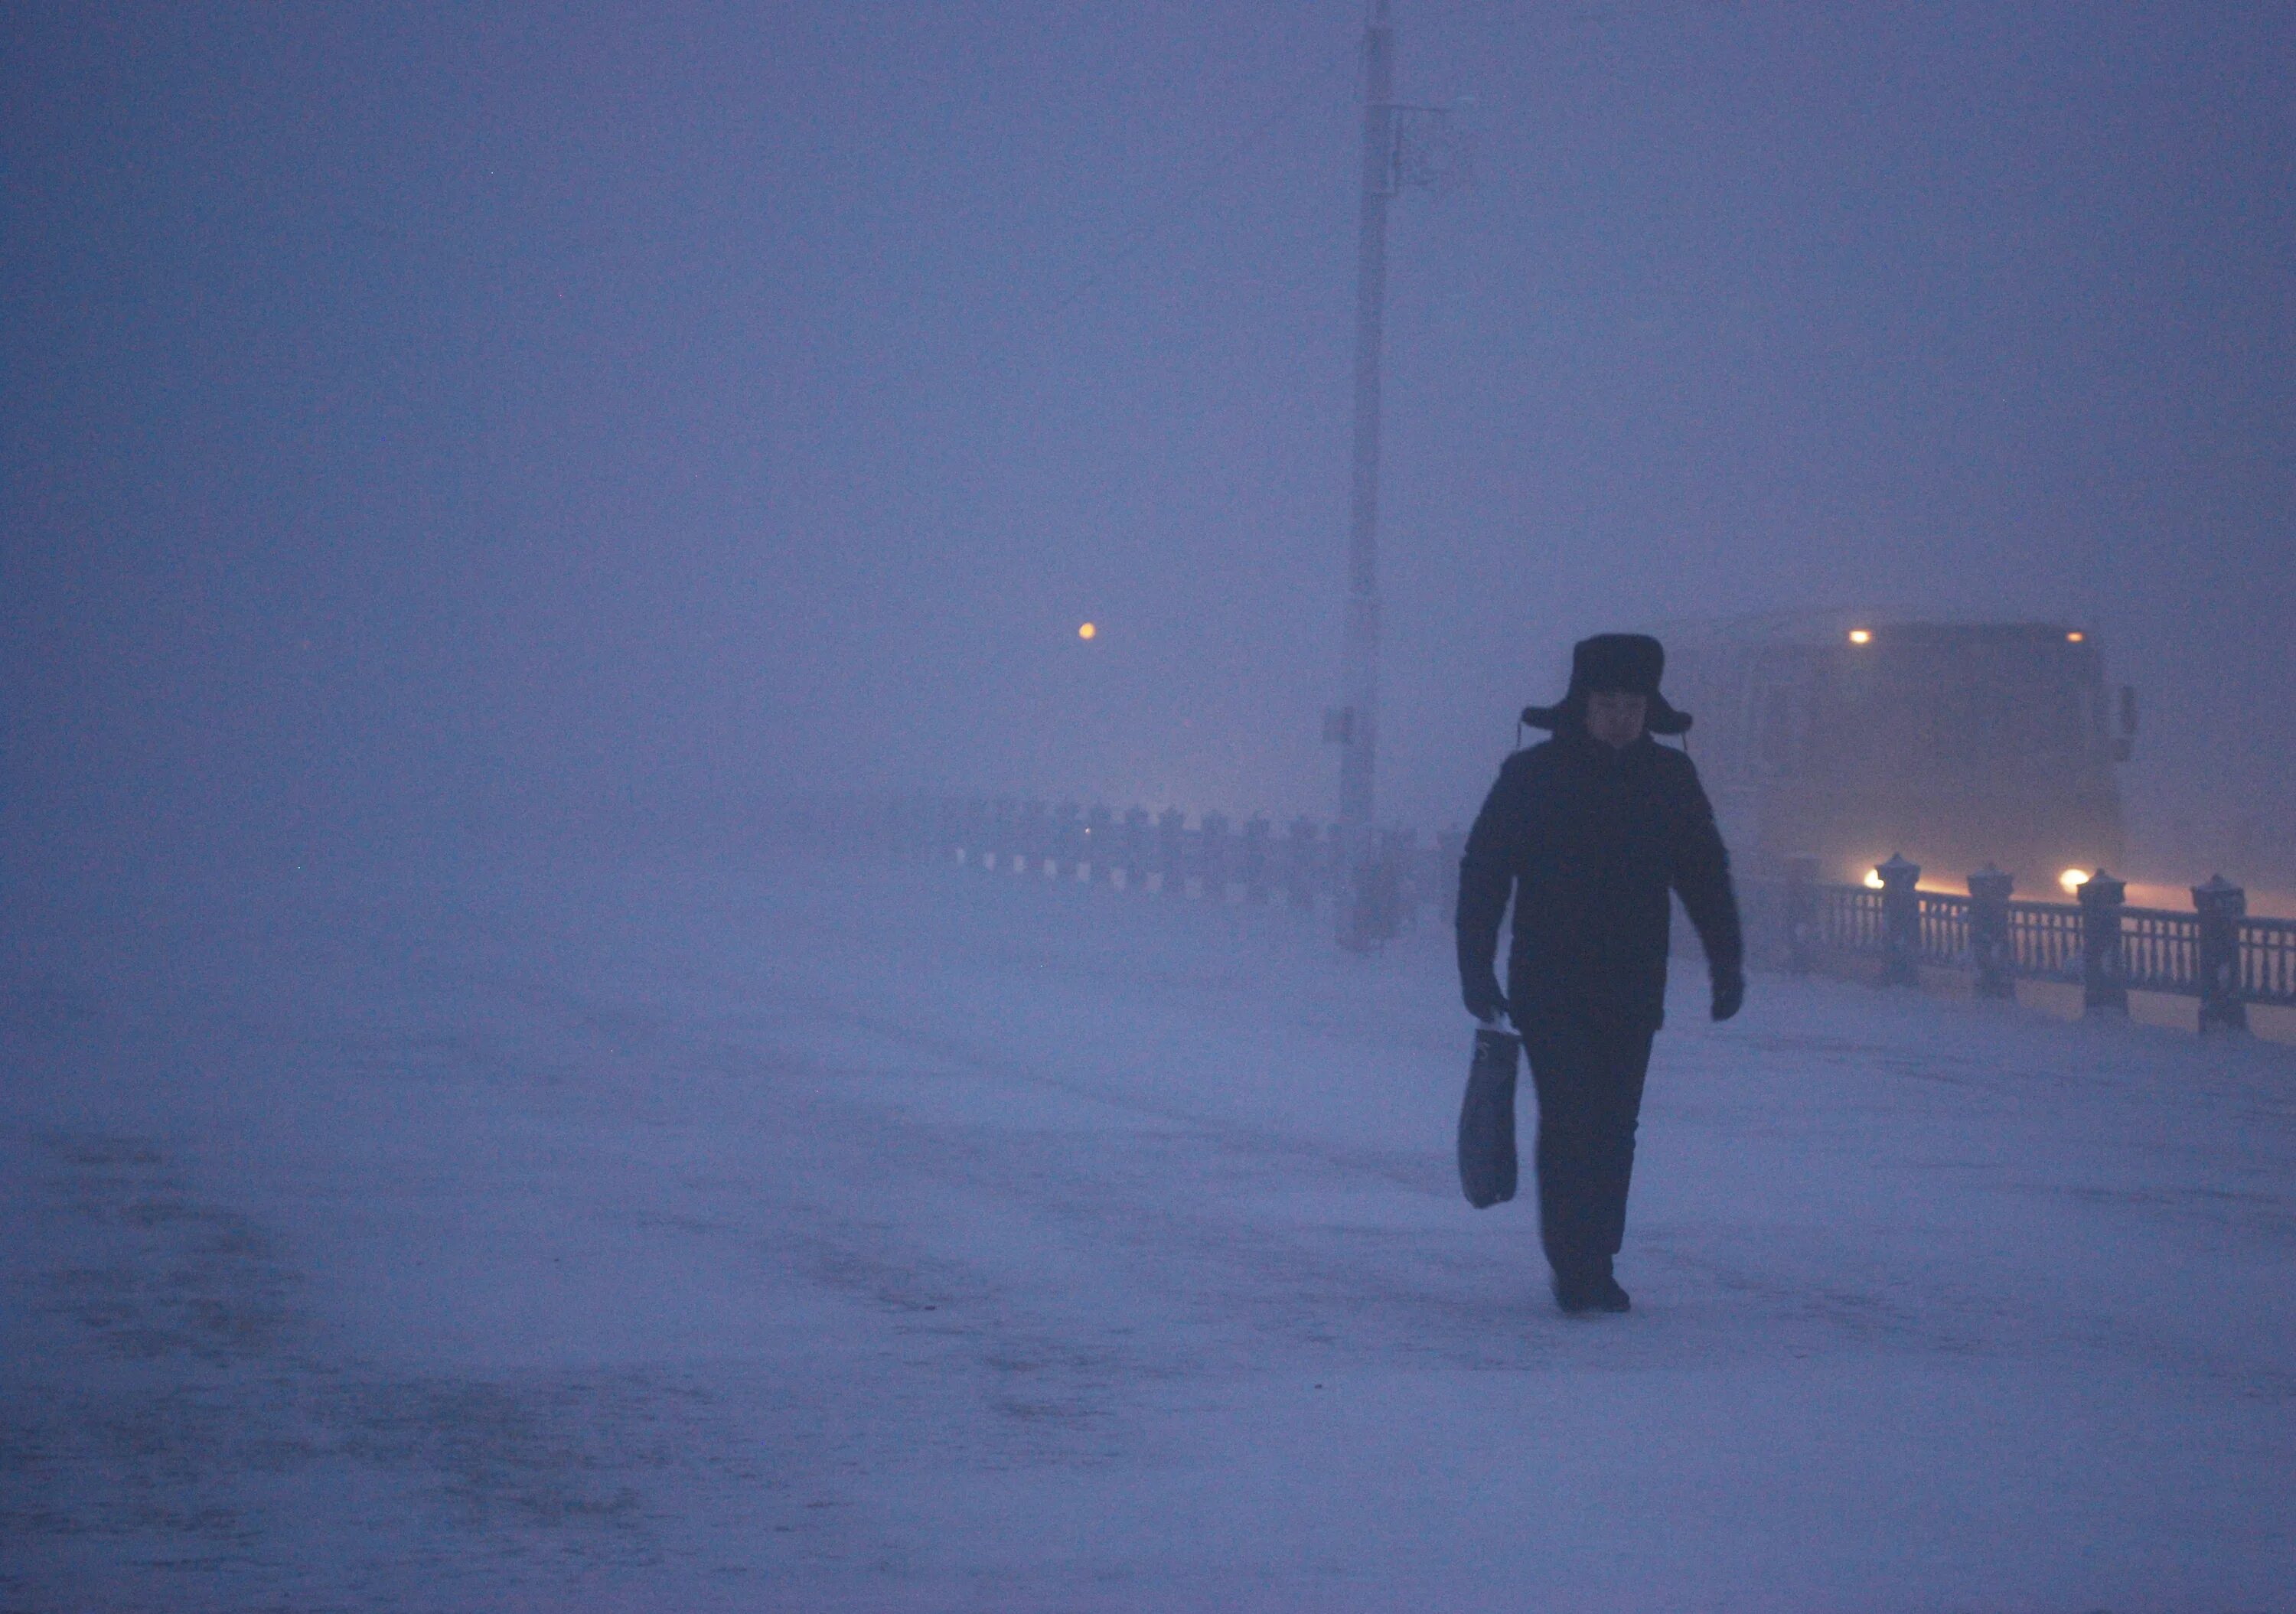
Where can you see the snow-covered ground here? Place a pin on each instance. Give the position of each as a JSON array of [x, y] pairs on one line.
[[764, 1233]]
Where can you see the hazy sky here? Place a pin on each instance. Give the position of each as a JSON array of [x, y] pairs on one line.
[[452, 411]]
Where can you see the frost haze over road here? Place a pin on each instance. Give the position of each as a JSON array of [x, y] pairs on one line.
[[716, 1231], [453, 457]]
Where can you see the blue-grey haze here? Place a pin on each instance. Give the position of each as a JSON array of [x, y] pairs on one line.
[[459, 415]]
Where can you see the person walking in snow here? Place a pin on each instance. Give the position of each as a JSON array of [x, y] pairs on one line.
[[1587, 832]]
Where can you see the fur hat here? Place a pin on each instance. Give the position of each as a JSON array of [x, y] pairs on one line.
[[1632, 663]]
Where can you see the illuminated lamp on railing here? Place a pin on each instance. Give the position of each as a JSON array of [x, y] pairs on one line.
[[2073, 879], [1861, 636], [1872, 880]]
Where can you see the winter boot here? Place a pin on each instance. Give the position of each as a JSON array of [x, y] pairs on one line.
[[1586, 1287], [1577, 1290]]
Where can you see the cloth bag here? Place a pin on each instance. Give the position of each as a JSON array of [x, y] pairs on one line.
[[1487, 1161]]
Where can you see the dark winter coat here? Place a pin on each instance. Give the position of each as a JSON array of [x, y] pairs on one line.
[[1587, 840]]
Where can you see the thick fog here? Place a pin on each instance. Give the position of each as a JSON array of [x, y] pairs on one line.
[[451, 418], [471, 473]]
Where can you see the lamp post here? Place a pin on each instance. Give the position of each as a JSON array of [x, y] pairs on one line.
[[1355, 727], [1365, 919]]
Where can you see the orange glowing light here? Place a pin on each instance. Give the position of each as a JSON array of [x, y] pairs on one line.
[[2074, 638], [2073, 879], [1872, 880], [1086, 631], [1859, 635]]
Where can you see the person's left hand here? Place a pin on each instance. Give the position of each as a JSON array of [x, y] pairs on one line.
[[1484, 999], [1729, 993]]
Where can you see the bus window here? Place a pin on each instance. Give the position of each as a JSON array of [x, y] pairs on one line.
[[1965, 725], [2025, 721], [2060, 711]]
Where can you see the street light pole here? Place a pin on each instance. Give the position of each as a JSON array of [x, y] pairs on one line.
[[1360, 924]]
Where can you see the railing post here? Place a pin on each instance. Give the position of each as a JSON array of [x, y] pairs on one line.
[[1255, 860], [1036, 839], [1211, 856], [1901, 922], [1410, 880], [1100, 844], [2104, 966], [1136, 848], [1299, 863], [2221, 905], [1450, 847], [1379, 899], [1067, 840], [1801, 913], [1172, 850], [1002, 840], [1989, 932]]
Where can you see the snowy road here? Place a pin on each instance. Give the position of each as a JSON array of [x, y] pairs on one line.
[[776, 1234]]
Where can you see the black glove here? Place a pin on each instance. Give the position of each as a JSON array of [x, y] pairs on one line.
[[1729, 993], [1483, 998]]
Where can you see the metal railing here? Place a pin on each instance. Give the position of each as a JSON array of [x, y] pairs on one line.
[[2217, 952], [1216, 859], [2044, 940], [2267, 961]]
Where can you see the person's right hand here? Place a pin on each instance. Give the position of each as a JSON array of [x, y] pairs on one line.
[[1483, 998]]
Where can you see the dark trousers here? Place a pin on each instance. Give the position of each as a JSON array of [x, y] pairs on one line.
[[1590, 1079]]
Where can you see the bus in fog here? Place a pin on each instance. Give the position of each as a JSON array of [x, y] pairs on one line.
[[1848, 737]]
